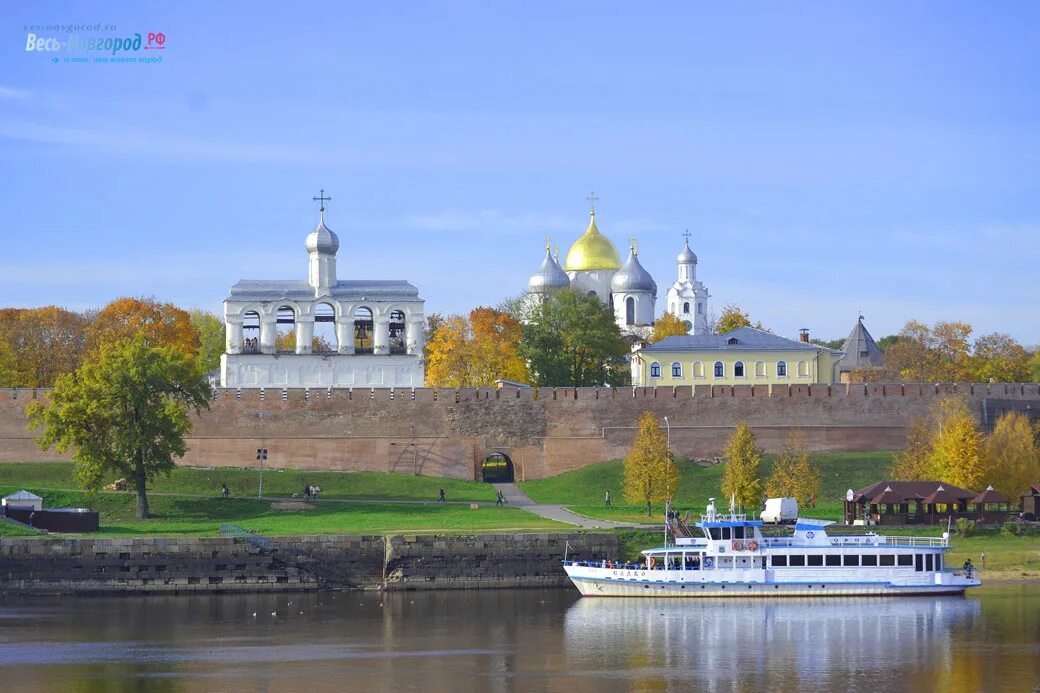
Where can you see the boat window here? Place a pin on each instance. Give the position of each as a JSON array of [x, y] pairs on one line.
[[906, 559], [939, 562], [715, 533], [738, 532], [870, 559], [780, 561], [797, 561], [928, 562], [833, 559], [850, 559], [888, 559], [815, 560], [725, 533], [918, 562]]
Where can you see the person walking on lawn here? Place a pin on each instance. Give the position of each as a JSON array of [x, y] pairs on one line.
[[501, 498], [606, 498], [441, 498]]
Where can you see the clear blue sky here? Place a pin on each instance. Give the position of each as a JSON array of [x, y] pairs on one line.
[[827, 158]]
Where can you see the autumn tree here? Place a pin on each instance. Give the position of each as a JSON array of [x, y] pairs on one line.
[[731, 318], [1012, 457], [210, 329], [41, 343], [161, 324], [794, 473], [7, 365], [930, 354], [1034, 366], [570, 338], [669, 325], [475, 350], [285, 342], [650, 473], [741, 477], [914, 462], [956, 454], [999, 358], [125, 410]]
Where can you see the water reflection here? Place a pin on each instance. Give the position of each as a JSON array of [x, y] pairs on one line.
[[518, 641]]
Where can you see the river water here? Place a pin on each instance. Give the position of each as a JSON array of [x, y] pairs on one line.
[[524, 640]]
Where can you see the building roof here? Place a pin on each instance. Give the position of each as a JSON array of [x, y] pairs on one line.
[[861, 351], [23, 495], [740, 339], [593, 251], [322, 239], [990, 495], [911, 491], [687, 256], [549, 276], [632, 277], [301, 290]]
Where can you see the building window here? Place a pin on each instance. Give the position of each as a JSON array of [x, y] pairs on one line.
[[760, 369], [781, 369], [700, 309], [803, 369], [738, 369], [630, 311], [676, 370], [698, 369], [686, 307], [655, 370], [732, 340], [720, 370]]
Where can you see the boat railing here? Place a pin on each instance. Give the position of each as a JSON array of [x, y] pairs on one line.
[[886, 540], [723, 517]]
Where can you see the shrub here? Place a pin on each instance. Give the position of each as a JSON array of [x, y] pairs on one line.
[[1012, 529], [965, 527]]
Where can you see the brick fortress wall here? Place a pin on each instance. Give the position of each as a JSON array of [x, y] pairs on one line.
[[449, 432]]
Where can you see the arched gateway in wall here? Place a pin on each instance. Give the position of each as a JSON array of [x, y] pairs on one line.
[[369, 332], [497, 469]]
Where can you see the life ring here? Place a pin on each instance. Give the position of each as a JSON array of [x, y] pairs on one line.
[[737, 545], [708, 561], [752, 545]]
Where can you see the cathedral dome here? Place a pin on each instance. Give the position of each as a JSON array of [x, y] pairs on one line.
[[593, 251], [632, 277], [687, 256], [322, 239], [549, 276]]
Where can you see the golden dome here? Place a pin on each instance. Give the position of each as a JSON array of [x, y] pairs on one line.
[[593, 251]]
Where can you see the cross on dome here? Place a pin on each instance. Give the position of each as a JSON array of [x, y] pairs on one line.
[[592, 201], [686, 235], [321, 200]]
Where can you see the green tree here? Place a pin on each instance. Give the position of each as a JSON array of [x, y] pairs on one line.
[[1034, 366], [650, 473], [669, 325], [1012, 458], [125, 410], [570, 338], [7, 364], [887, 341], [999, 358], [211, 338], [740, 478]]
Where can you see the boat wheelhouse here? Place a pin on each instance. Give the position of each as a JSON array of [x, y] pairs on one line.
[[732, 557]]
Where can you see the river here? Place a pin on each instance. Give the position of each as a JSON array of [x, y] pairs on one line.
[[525, 640]]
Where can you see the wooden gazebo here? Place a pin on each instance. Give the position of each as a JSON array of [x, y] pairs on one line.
[[1029, 503], [991, 506], [908, 503]]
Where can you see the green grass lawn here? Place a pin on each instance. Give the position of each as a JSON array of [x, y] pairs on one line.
[[173, 515], [243, 482], [582, 490], [14, 529]]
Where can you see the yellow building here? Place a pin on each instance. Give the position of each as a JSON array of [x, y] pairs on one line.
[[744, 356]]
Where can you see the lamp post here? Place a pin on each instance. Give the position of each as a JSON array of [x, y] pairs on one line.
[[261, 455], [668, 428]]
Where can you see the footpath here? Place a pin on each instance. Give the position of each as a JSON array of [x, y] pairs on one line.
[[517, 498]]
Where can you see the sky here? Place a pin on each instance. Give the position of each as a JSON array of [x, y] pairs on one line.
[[827, 158]]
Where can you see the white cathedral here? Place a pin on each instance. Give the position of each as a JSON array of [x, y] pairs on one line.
[[375, 340], [593, 266]]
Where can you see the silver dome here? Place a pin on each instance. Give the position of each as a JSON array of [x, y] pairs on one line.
[[687, 256], [549, 276], [322, 239], [632, 277]]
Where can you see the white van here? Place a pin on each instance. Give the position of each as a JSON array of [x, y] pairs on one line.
[[780, 511]]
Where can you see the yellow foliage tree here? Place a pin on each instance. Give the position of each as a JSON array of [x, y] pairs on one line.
[[475, 350], [741, 477], [731, 318], [1012, 458], [956, 454], [914, 462], [794, 474], [669, 325], [42, 344], [160, 324], [650, 473]]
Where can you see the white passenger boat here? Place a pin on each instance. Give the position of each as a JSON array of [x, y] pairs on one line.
[[733, 559]]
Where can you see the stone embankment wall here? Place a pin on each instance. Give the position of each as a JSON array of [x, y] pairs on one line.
[[49, 566], [447, 432]]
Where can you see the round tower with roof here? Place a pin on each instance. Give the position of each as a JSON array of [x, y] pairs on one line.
[[633, 293], [688, 297]]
